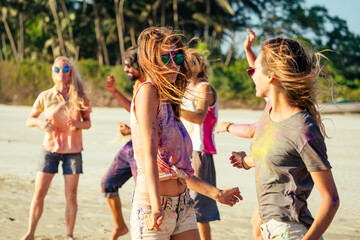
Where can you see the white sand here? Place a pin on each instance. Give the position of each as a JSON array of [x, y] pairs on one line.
[[20, 149]]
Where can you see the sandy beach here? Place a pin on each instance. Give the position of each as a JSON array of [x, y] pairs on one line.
[[20, 149]]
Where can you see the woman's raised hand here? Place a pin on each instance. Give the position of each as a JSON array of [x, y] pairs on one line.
[[250, 39]]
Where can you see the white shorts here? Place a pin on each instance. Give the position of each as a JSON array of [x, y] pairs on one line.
[[179, 216], [276, 230]]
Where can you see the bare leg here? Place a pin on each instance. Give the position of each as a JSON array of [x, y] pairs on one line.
[[42, 184], [188, 235], [120, 227], [256, 222], [204, 230], [71, 184]]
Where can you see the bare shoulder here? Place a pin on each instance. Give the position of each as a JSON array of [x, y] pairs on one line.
[[147, 95]]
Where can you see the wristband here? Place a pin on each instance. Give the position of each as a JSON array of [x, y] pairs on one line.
[[227, 128], [242, 164]]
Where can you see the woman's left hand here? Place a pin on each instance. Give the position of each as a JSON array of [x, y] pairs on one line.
[[229, 196], [73, 124]]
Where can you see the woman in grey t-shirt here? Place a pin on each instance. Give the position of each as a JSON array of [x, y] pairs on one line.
[[288, 148]]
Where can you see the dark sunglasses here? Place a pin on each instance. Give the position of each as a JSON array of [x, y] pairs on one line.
[[250, 71], [178, 59], [65, 69]]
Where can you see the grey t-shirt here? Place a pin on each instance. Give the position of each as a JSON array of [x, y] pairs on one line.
[[284, 153]]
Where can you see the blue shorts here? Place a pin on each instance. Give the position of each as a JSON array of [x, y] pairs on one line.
[[205, 208], [49, 162], [121, 169]]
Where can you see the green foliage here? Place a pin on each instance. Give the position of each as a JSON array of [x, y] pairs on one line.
[[233, 82], [95, 74], [21, 82]]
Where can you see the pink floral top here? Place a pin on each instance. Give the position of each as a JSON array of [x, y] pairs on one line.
[[174, 149]]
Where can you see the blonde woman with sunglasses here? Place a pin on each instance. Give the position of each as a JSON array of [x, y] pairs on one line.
[[66, 110], [162, 206]]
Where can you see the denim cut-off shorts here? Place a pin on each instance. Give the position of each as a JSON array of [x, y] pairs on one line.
[[179, 216], [276, 230], [49, 162], [120, 170]]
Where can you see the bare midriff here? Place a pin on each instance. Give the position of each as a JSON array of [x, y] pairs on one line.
[[171, 188]]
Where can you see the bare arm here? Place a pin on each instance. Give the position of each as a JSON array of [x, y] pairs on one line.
[[250, 39], [147, 103], [199, 115], [228, 196], [330, 202], [240, 130], [110, 85], [34, 121]]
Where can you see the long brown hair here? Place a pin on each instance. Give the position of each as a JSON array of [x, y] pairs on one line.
[[151, 42], [78, 101], [299, 71]]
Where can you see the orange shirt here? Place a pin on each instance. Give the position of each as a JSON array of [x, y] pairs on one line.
[[56, 110]]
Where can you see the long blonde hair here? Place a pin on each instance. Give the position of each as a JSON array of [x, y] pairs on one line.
[[298, 71], [78, 101], [202, 67], [151, 42]]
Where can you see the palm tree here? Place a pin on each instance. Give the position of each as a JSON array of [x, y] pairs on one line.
[[4, 12], [58, 28], [71, 36], [120, 25]]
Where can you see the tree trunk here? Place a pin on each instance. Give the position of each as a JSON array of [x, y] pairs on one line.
[[154, 10], [4, 47], [98, 38], [21, 32], [121, 13], [71, 36], [176, 14], [53, 46], [163, 5], [58, 28], [1, 56], [119, 28], [213, 39], [207, 23], [228, 57], [132, 35], [103, 44], [77, 53], [8, 32], [84, 7]]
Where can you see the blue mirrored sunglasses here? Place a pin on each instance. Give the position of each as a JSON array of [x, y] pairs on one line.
[[65, 69], [178, 59]]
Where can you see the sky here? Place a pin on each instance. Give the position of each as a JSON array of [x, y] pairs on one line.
[[347, 10]]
